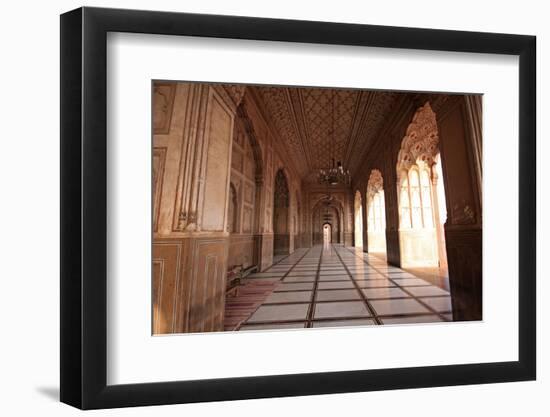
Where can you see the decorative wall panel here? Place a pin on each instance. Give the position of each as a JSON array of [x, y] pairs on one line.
[[216, 178], [163, 102], [159, 161], [166, 275]]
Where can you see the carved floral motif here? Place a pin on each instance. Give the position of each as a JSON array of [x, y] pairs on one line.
[[187, 221], [236, 92], [421, 142], [163, 102], [463, 214], [375, 184]]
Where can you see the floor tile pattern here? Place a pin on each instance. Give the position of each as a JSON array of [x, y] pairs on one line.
[[248, 298], [333, 285]]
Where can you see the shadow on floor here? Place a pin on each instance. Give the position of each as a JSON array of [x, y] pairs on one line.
[[50, 392]]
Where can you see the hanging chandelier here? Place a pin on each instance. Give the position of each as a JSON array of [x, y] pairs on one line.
[[336, 174]]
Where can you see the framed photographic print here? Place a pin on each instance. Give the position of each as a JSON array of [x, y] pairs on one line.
[[257, 208]]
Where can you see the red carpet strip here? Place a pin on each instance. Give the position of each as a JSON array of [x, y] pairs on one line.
[[249, 297]]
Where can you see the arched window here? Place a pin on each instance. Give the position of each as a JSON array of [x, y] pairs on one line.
[[415, 197], [405, 215], [416, 202], [419, 230], [426, 197], [377, 217]]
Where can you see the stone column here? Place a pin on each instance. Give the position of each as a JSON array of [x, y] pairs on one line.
[[463, 229], [364, 203]]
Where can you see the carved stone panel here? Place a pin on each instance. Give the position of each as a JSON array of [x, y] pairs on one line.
[[206, 286], [159, 160], [459, 179], [215, 189], [248, 193], [375, 184], [247, 219], [421, 141], [163, 103], [237, 159], [166, 258]]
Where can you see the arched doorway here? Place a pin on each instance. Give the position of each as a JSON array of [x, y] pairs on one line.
[[245, 195], [281, 223], [420, 194], [358, 220], [327, 234], [376, 213], [327, 211]]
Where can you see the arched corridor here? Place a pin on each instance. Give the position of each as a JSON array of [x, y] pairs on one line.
[[327, 211], [281, 207]]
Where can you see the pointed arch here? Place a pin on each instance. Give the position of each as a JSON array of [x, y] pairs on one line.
[[245, 214], [327, 211], [419, 233], [242, 115]]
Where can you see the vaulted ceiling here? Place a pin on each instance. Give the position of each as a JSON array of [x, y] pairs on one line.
[[318, 124]]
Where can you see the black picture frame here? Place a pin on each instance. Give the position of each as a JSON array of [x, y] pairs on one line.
[[84, 207]]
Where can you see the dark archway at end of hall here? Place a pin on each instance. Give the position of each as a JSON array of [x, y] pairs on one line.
[[281, 223], [327, 212]]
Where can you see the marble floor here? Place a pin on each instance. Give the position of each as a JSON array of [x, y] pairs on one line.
[[333, 285], [435, 276]]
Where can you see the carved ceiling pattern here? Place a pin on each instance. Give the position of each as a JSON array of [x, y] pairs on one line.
[[329, 116], [317, 124]]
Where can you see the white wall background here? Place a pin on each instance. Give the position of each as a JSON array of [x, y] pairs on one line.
[[29, 226]]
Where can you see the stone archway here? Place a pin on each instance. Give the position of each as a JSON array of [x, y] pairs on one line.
[[262, 244], [323, 212], [420, 233]]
